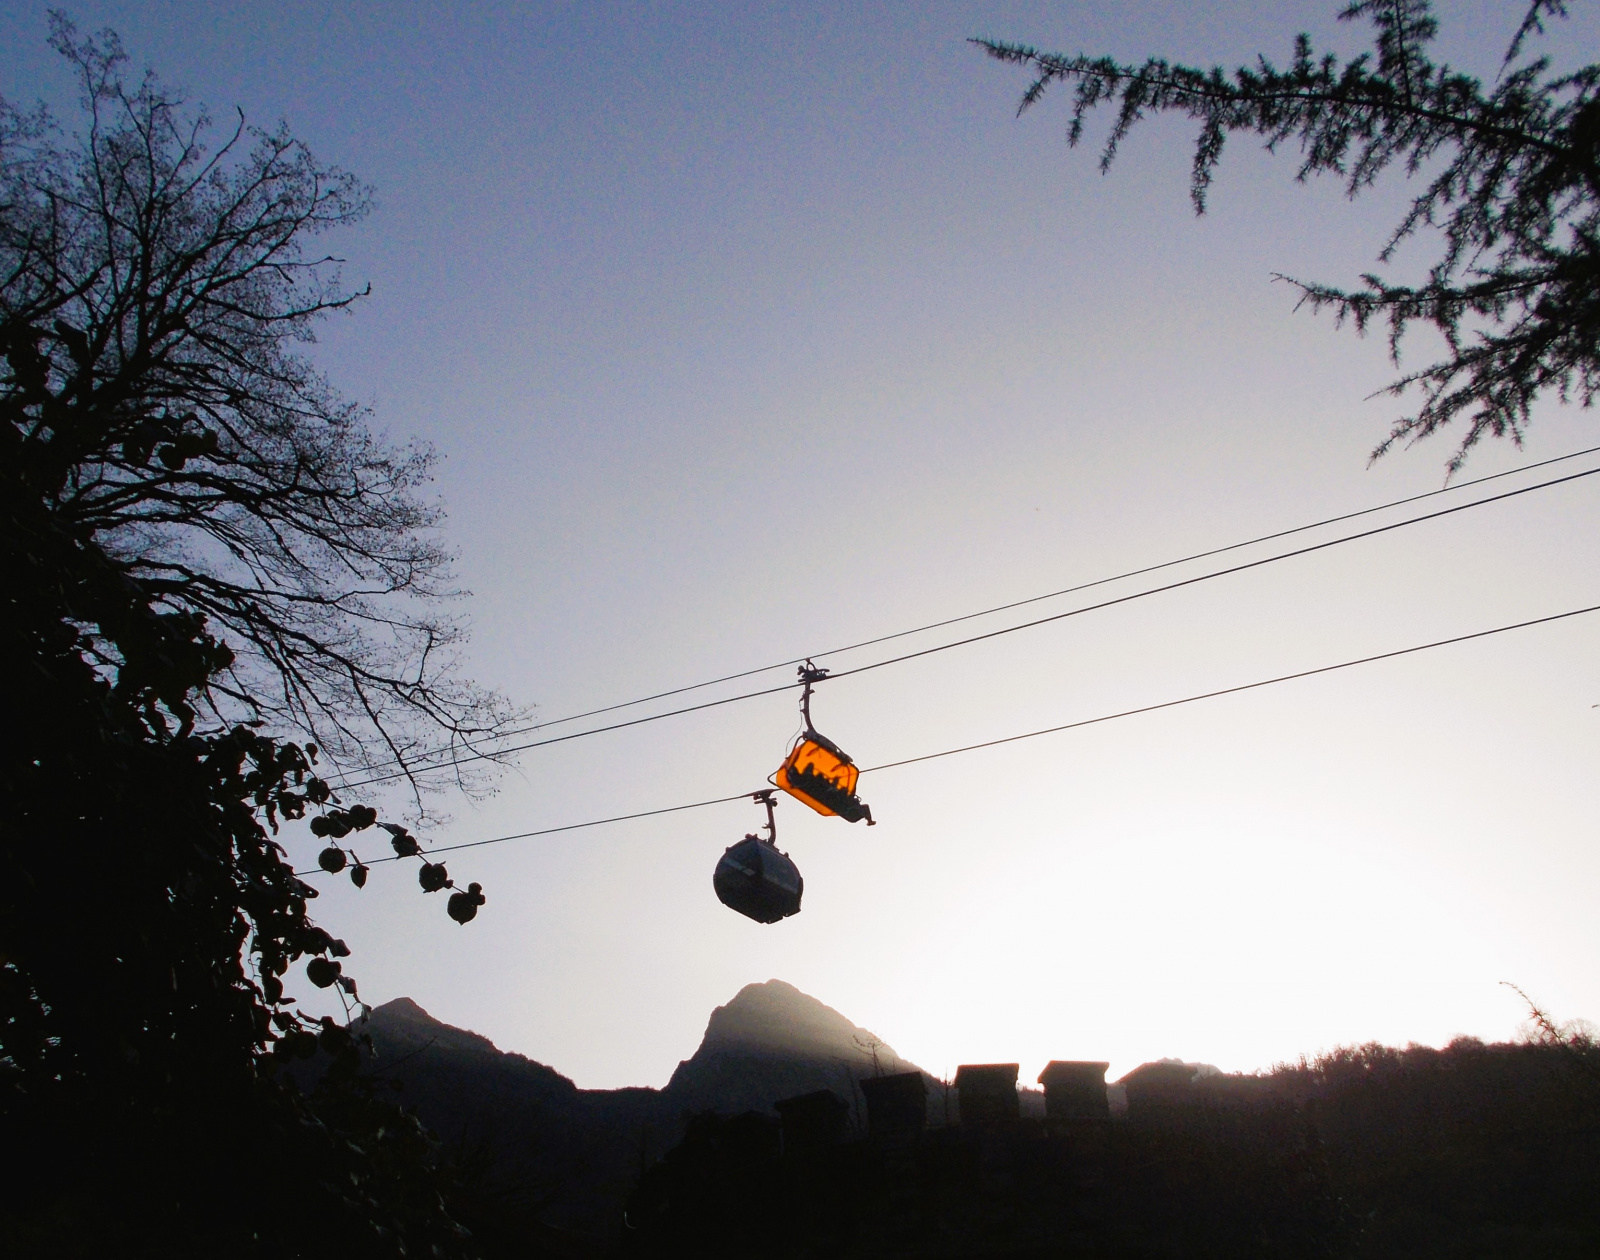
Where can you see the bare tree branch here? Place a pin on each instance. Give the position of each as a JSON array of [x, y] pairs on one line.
[[156, 296]]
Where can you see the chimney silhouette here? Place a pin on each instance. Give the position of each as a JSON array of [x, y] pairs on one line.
[[987, 1092], [896, 1104], [1158, 1088], [1075, 1090], [813, 1121]]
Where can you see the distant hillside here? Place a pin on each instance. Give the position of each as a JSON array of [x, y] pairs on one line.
[[1393, 1154], [405, 1030], [533, 1132], [522, 1128]]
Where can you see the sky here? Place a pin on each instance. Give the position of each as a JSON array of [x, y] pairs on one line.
[[745, 331]]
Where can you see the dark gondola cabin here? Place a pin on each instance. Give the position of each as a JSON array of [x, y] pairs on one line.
[[758, 881], [755, 878]]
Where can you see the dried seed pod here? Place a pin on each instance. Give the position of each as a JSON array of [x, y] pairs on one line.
[[463, 906], [405, 844]]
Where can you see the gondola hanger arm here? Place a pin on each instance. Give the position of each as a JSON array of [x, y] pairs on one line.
[[810, 674], [768, 798]]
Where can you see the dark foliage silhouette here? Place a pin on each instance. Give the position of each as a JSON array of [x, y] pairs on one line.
[[1473, 1150], [1512, 187], [216, 578], [1370, 1151]]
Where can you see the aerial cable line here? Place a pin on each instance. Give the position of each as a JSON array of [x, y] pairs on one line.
[[598, 730], [985, 612], [550, 831], [1215, 573], [1012, 739], [1229, 691], [1035, 599], [1005, 630]]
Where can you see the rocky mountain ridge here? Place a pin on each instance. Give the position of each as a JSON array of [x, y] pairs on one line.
[[528, 1127], [1456, 1139], [773, 1041]]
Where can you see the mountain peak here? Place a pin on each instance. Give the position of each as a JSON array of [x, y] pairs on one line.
[[772, 1041], [403, 1008], [777, 1017], [403, 1022]]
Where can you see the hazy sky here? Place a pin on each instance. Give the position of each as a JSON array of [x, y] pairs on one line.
[[751, 330]]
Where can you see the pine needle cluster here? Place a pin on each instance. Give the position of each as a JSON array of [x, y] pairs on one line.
[[1511, 195]]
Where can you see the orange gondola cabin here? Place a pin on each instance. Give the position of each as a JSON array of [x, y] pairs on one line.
[[817, 772]]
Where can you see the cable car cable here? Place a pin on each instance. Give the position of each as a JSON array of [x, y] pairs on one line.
[[1069, 590], [598, 730], [1228, 691], [985, 612], [550, 831], [1005, 630], [1206, 577], [1011, 739]]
